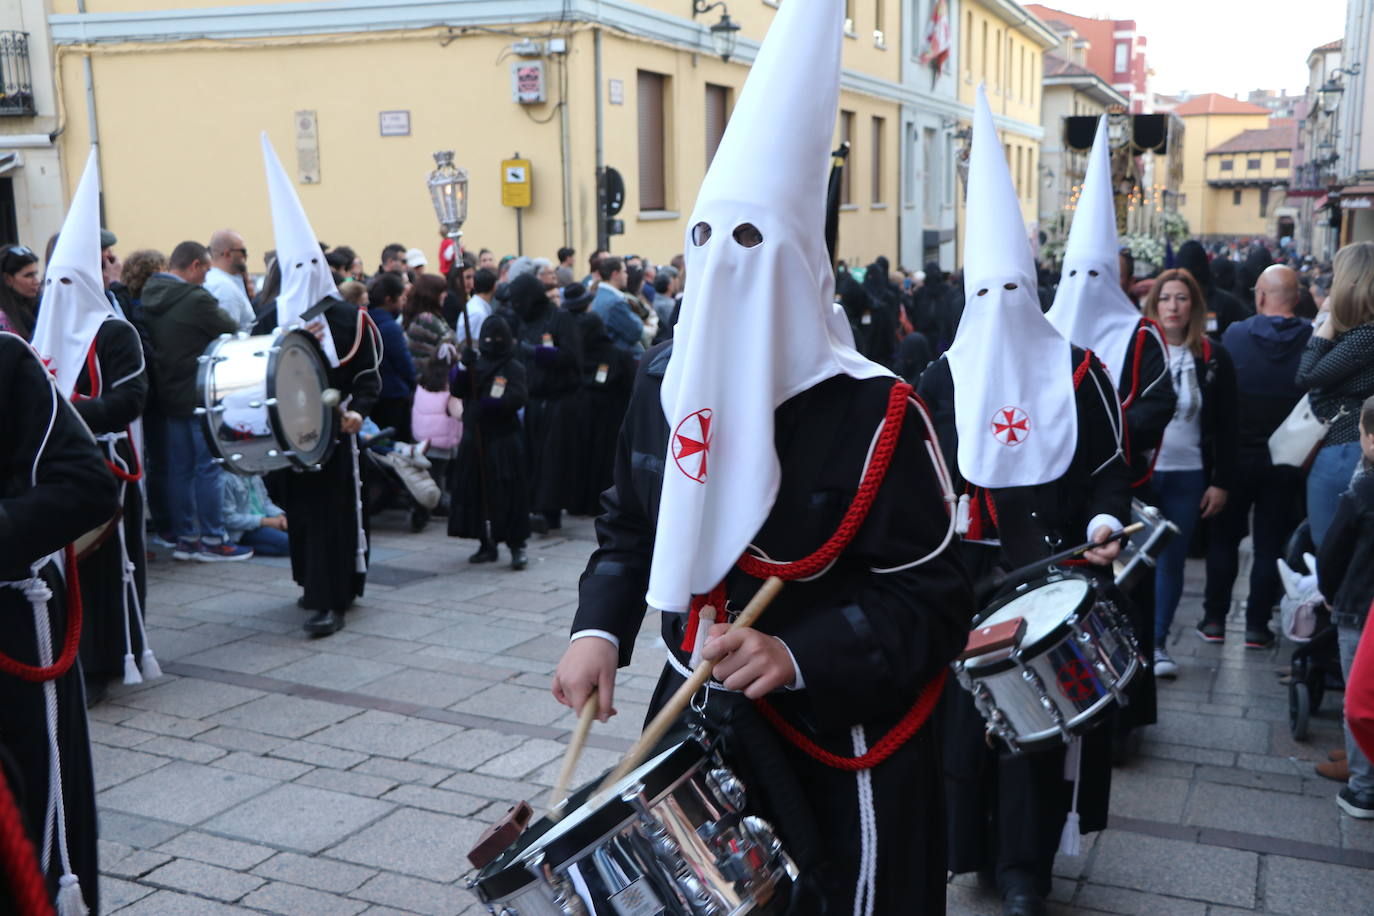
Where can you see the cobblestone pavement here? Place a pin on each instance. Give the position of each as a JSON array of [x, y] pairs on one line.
[[269, 773]]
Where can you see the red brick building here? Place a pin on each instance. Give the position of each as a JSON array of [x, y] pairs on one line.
[[1115, 51]]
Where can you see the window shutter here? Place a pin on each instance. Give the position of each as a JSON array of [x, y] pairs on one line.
[[652, 179], [717, 104]]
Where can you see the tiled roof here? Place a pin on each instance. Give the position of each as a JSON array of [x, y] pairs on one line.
[[1212, 103], [1280, 137], [1058, 66], [1329, 46]]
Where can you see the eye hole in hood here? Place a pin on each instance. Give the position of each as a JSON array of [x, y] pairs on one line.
[[701, 234], [748, 235]]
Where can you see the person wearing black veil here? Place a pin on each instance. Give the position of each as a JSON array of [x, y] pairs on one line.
[[491, 483], [548, 342], [1224, 307], [1257, 260], [597, 408], [874, 323]]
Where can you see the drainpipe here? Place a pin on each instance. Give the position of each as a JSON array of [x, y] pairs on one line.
[[91, 122], [567, 150], [603, 241]]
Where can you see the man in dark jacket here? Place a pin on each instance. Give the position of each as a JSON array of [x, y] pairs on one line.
[[182, 318], [1266, 349], [1223, 307], [384, 296]]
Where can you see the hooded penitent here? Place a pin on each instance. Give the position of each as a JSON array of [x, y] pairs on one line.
[[74, 300], [305, 277], [1013, 381], [1090, 307], [756, 322]]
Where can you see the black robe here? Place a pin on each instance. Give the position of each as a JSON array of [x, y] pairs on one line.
[[595, 414], [1007, 811], [507, 469], [54, 487], [120, 390], [865, 643], [322, 504], [554, 374]]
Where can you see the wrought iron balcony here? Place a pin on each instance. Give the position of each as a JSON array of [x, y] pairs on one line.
[[16, 78]]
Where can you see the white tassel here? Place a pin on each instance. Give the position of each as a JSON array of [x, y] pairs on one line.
[[706, 619], [1071, 840], [961, 516], [151, 669], [131, 675], [69, 899]]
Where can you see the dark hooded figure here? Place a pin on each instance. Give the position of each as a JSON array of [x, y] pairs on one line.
[[935, 315], [548, 341], [1257, 260], [495, 412], [874, 324], [1224, 306], [598, 407]]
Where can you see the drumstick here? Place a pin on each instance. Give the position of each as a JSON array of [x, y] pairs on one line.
[[579, 738], [678, 702], [1032, 568]]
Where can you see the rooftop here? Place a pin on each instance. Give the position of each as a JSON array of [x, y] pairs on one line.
[[1281, 134], [1329, 46], [1212, 103]]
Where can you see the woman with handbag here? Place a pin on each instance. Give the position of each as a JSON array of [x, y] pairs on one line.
[[1337, 370], [1195, 464]]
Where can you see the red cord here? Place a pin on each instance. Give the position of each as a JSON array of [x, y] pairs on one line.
[[70, 642], [28, 888], [899, 735], [97, 388]]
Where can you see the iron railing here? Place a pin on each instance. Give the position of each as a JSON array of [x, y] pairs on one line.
[[16, 78]]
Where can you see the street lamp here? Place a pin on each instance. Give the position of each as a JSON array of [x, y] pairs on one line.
[[1332, 89], [448, 191], [725, 33]]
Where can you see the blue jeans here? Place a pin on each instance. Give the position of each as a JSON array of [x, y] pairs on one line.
[[1179, 494], [267, 542], [1328, 479], [193, 488]]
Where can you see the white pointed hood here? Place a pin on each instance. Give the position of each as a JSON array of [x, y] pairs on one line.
[[1012, 371], [305, 277], [757, 324], [1090, 308], [74, 304]]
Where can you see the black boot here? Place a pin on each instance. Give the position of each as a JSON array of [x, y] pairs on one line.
[[324, 623], [538, 523], [485, 554], [1023, 903], [518, 560]]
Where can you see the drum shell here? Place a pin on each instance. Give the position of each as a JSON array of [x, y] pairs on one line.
[[1079, 668], [695, 805]]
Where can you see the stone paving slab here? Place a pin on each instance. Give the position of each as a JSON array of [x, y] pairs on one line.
[[269, 773]]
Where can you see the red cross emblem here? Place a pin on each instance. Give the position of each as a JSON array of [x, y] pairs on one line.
[[1010, 426], [692, 438], [1076, 681]]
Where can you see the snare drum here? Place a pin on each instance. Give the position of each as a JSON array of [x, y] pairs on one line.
[[1069, 670], [673, 837], [262, 400]]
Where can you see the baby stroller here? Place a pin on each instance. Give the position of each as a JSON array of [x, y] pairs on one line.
[[1306, 622], [402, 474]]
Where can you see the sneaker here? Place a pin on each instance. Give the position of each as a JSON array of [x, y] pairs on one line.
[[1356, 804], [1211, 631], [1164, 665], [185, 549], [1258, 639], [166, 542], [222, 552]]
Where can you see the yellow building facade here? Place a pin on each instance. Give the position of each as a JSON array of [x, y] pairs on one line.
[[356, 97], [1001, 47], [1247, 177], [1209, 121]]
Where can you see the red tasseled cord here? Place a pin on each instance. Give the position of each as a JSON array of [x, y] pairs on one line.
[[70, 643]]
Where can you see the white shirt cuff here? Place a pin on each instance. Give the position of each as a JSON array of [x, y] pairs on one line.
[[609, 637], [1111, 521], [798, 682]]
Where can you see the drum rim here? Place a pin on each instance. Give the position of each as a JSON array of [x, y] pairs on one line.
[[1084, 721], [330, 434], [513, 876], [1056, 634], [209, 357]]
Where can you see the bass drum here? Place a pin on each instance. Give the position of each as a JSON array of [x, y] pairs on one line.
[[262, 400]]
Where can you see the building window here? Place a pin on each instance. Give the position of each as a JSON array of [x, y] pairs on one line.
[[653, 179], [983, 58], [1020, 186], [1123, 57], [930, 159], [1252, 163], [968, 46], [849, 17], [880, 23], [1227, 165], [1264, 202], [717, 115], [1281, 162], [997, 75], [1183, 200], [876, 157], [1237, 197], [907, 153], [847, 176]]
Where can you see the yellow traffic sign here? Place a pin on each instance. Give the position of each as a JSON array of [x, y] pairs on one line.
[[515, 183]]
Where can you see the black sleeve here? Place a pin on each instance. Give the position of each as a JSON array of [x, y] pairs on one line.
[[516, 395], [1226, 421], [1327, 363], [1338, 545], [612, 588], [54, 485], [1153, 406], [123, 377], [568, 340], [901, 628], [1100, 418], [936, 390]]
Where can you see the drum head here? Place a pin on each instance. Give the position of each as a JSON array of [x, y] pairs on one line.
[[296, 378], [1043, 606]]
